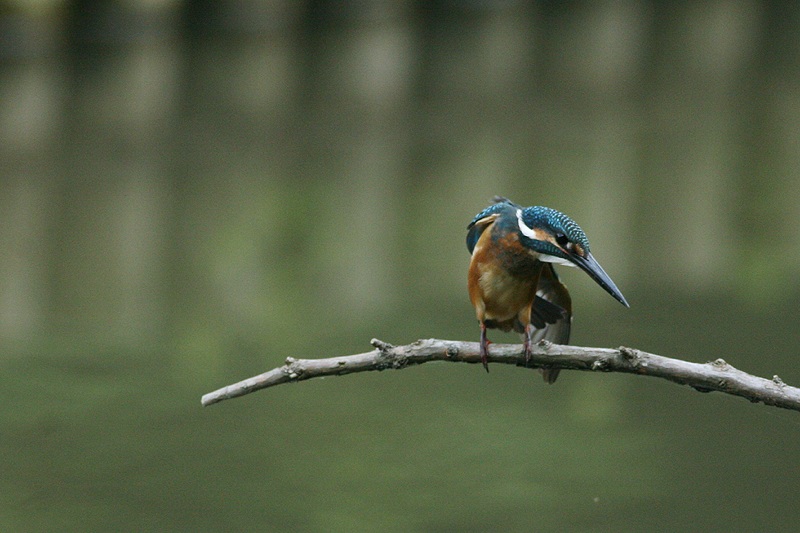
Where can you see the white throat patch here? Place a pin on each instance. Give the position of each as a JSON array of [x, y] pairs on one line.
[[555, 260]]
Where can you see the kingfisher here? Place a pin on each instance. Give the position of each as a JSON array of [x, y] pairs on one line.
[[511, 280]]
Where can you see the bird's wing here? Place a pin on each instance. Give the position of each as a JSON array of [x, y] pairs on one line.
[[552, 308], [551, 314], [484, 219]]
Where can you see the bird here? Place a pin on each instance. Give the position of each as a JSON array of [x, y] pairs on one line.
[[511, 280]]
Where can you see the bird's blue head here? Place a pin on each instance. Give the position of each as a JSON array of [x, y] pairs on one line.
[[556, 238], [551, 233]]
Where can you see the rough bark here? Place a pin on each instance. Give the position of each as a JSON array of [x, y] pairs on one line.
[[704, 377]]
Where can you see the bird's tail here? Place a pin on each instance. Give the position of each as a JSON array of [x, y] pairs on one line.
[[554, 327], [556, 332]]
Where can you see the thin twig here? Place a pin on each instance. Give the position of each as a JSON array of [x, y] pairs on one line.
[[704, 377]]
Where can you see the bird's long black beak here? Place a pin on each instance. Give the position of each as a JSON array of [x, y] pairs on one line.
[[589, 264]]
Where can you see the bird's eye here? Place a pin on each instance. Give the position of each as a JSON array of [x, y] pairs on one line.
[[561, 239]]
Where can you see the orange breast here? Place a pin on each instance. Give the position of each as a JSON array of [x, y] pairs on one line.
[[501, 285]]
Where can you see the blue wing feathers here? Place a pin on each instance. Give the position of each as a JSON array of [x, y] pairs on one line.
[[476, 229]]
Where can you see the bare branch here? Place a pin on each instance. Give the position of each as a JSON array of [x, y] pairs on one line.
[[706, 377]]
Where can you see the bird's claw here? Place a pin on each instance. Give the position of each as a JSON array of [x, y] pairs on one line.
[[526, 347], [484, 348]]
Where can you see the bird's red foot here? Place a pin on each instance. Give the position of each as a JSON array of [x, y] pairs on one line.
[[484, 348], [485, 354], [526, 346]]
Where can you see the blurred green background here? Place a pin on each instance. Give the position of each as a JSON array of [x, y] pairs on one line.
[[193, 191]]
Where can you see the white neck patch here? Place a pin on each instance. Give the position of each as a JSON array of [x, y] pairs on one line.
[[528, 232]]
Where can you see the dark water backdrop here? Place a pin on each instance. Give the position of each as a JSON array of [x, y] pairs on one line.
[[191, 192]]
